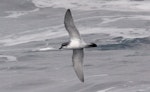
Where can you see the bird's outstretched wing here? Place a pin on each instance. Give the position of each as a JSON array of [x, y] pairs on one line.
[[77, 59], [70, 26]]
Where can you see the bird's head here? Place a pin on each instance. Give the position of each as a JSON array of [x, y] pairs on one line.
[[92, 45], [64, 45]]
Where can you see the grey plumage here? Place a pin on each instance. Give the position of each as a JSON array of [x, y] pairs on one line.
[[70, 27], [76, 44], [78, 54], [77, 59]]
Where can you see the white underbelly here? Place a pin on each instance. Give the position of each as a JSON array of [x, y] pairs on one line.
[[77, 44]]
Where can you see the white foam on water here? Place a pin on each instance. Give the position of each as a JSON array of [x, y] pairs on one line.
[[8, 58], [117, 32], [143, 6], [128, 87], [141, 17], [99, 75], [42, 49], [135, 88], [59, 31], [106, 90], [30, 36], [16, 14], [95, 4], [52, 33]]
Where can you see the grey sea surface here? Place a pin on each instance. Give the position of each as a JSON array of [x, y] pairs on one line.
[[30, 35]]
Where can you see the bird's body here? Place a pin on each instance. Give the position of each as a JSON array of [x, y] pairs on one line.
[[76, 44]]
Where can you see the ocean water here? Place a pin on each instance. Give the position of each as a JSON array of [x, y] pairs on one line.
[[19, 13], [31, 31], [135, 5]]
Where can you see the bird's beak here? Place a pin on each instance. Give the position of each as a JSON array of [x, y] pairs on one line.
[[60, 47]]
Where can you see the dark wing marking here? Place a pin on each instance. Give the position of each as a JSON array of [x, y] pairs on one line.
[[77, 59], [70, 27]]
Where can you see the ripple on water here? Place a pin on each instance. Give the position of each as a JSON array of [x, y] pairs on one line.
[[128, 87], [7, 58]]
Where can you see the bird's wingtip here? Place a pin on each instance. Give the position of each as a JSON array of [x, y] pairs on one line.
[[80, 76], [68, 10], [82, 80]]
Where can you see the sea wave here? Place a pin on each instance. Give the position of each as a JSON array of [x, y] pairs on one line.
[[50, 33], [16, 14], [123, 5], [7, 58], [125, 44]]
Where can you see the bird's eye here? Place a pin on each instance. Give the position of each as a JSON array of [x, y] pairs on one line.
[[65, 44]]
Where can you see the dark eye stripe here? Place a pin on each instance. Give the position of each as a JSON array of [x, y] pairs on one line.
[[65, 44]]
